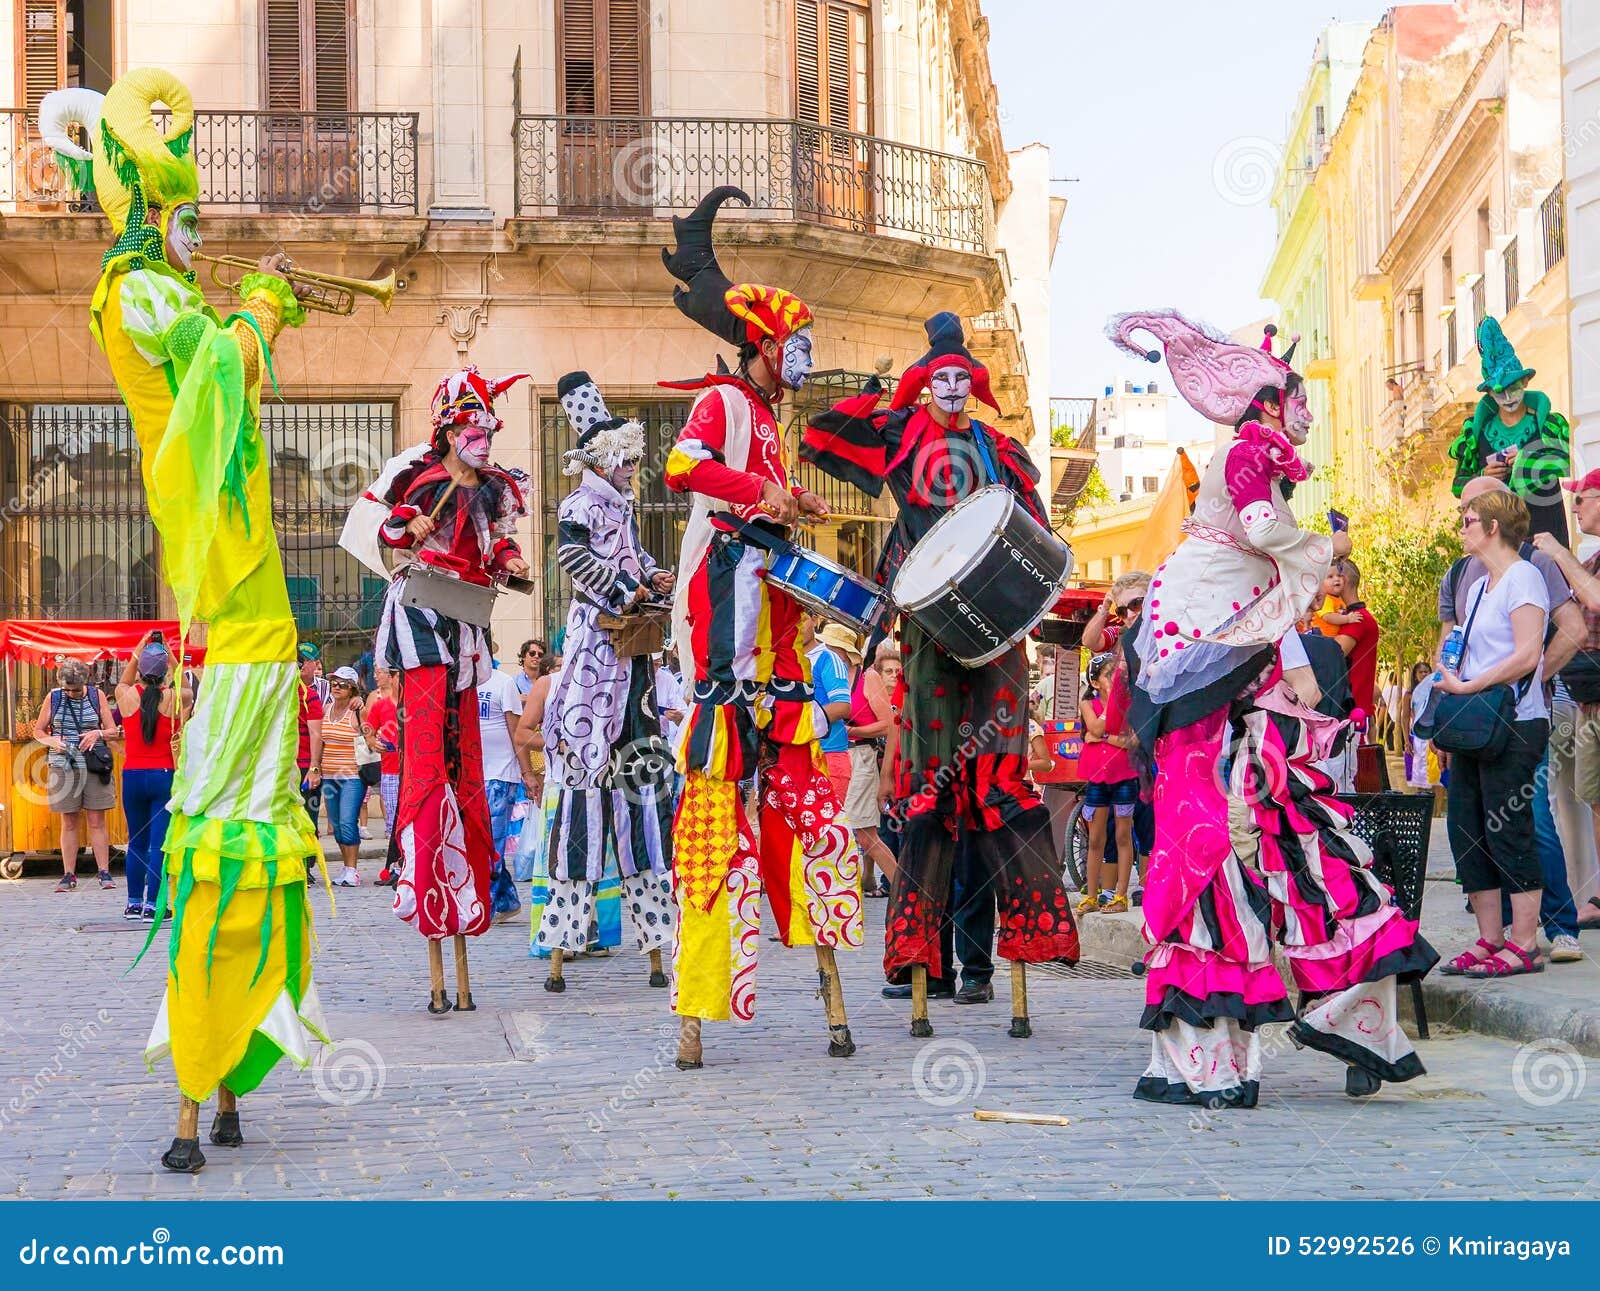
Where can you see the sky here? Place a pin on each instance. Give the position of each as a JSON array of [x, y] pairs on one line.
[[1171, 135]]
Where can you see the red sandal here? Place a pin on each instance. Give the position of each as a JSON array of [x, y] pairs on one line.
[[1529, 962], [1466, 960]]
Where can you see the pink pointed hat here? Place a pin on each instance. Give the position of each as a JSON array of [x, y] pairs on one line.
[[1218, 377]]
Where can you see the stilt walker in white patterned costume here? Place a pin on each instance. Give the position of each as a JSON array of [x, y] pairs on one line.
[[603, 745]]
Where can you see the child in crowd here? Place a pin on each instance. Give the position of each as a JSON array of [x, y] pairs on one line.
[[1331, 617], [1111, 789]]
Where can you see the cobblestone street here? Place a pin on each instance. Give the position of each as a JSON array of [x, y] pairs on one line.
[[537, 1095]]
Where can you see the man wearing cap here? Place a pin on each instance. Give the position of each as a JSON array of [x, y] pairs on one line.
[[1577, 766], [314, 698]]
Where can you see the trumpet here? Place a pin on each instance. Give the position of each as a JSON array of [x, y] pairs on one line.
[[325, 293]]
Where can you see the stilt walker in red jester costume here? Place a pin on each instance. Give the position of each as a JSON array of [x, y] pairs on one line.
[[752, 712], [453, 511]]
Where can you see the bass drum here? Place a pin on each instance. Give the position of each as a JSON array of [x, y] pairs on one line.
[[983, 577]]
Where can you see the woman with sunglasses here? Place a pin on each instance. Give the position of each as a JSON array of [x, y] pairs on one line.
[[1118, 612], [342, 789], [1489, 807]]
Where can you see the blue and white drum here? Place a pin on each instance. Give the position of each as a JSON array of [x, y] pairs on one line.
[[831, 590], [983, 577]]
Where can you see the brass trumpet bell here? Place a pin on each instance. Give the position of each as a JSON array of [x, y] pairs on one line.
[[325, 293]]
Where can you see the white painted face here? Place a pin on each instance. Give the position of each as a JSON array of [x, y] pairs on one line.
[[620, 477], [183, 236], [1297, 417], [1510, 399], [472, 444], [950, 387], [796, 363]]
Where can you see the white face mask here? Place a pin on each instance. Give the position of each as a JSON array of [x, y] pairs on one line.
[[183, 236], [795, 365], [1510, 399], [950, 388]]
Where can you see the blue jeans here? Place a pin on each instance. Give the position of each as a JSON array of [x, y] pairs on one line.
[[342, 796], [501, 796], [145, 791], [1557, 913]]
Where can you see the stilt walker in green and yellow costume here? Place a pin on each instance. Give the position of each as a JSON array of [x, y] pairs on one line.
[[239, 991], [1514, 435]]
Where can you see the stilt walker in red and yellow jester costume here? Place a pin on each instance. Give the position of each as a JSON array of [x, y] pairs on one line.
[[752, 712]]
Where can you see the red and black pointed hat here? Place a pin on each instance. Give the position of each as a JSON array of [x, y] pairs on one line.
[[946, 349]]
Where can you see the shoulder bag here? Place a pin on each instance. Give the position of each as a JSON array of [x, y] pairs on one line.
[[1478, 724]]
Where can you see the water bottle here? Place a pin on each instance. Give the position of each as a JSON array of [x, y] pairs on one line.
[[1450, 654]]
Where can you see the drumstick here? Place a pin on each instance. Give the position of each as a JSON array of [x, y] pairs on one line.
[[443, 498], [1020, 1118]]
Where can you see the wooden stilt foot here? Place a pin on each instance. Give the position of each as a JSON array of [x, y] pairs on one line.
[[438, 1001], [690, 1054], [840, 1044], [1021, 1028], [464, 1002], [556, 983], [920, 1026], [658, 975], [225, 1130], [184, 1156]]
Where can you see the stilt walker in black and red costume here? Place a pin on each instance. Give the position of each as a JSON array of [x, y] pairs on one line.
[[453, 511], [959, 753]]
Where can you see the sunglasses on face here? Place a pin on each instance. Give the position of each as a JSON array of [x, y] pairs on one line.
[[1133, 606], [341, 685], [1467, 521]]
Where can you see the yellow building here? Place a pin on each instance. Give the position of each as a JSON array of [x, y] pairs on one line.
[[517, 165], [1442, 192]]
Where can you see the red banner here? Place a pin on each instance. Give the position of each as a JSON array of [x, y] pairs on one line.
[[45, 641]]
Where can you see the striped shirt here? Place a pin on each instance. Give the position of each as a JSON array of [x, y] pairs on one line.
[[339, 744]]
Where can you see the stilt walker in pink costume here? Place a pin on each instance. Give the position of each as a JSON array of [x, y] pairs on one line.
[[1251, 847]]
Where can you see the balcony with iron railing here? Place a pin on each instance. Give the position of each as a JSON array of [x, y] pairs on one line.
[[1553, 226], [652, 167], [300, 163], [1513, 272]]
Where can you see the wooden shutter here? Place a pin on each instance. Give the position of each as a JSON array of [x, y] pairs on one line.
[[832, 83], [41, 51], [330, 55], [604, 58], [307, 55], [623, 72]]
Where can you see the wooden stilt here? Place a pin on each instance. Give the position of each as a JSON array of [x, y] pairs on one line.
[[438, 1001], [184, 1156], [1021, 1028], [555, 983], [690, 1054], [225, 1131], [464, 1002], [920, 1026], [658, 975], [840, 1045]]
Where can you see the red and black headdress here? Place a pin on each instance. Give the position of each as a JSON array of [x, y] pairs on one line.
[[946, 349]]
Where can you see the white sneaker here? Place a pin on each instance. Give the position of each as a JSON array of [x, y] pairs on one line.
[[1564, 949], [349, 879], [366, 833]]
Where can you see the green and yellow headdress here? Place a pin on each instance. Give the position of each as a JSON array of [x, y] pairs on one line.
[[136, 165]]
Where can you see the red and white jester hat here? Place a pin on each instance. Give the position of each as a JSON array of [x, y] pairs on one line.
[[946, 349], [466, 398]]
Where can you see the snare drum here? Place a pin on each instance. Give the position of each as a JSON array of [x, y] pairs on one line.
[[838, 594], [983, 577]]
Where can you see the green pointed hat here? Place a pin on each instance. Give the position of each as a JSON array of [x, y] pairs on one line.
[[1501, 366]]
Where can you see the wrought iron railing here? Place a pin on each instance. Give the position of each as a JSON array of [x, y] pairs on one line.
[[251, 162], [1553, 226], [1508, 260], [655, 166], [1480, 302], [1450, 354]]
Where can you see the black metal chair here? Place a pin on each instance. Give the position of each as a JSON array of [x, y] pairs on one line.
[[1396, 826]]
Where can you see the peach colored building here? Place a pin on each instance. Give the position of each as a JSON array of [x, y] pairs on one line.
[[517, 166]]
